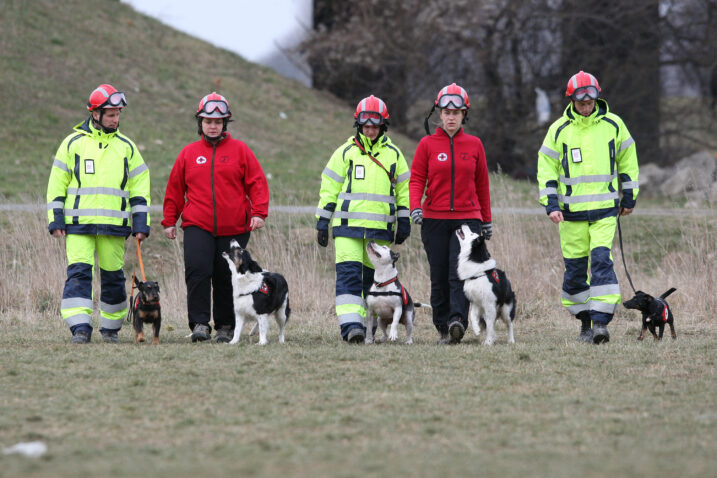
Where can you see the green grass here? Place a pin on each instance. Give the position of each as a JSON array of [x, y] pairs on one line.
[[164, 74], [547, 406]]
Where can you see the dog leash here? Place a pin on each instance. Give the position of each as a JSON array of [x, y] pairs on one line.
[[622, 252]]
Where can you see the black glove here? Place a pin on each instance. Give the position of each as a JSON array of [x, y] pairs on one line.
[[322, 237], [403, 231], [417, 216], [487, 230]]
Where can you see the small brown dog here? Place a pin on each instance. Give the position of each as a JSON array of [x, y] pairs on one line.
[[146, 310]]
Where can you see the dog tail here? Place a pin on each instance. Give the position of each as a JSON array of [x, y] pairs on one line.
[[665, 294], [287, 311], [419, 304]]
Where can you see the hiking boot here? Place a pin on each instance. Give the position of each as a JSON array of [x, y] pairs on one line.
[[600, 334], [356, 336], [456, 331], [586, 332], [201, 333], [224, 335], [444, 340], [80, 337], [109, 336]]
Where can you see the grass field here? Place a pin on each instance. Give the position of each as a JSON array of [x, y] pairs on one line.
[[546, 406]]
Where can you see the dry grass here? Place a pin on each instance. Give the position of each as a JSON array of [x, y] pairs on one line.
[[316, 407]]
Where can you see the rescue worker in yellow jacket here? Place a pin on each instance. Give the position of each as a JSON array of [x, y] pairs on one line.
[[587, 156], [364, 187], [97, 195]]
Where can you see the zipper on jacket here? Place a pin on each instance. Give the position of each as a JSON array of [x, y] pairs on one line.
[[214, 194], [453, 172]]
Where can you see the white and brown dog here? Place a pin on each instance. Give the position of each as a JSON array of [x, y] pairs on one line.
[[257, 294], [485, 286], [388, 301]]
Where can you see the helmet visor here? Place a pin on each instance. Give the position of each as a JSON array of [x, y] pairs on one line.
[[369, 117], [453, 102], [215, 109], [585, 93], [115, 100]]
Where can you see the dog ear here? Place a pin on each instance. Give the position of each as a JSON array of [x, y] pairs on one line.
[[136, 281], [395, 256], [249, 264]]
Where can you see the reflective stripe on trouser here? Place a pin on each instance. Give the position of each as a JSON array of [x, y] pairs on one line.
[[586, 245], [354, 276], [77, 296]]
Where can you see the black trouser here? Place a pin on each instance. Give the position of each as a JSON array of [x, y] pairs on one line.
[[448, 301], [208, 277]]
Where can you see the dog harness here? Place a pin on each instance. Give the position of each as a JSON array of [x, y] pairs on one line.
[[665, 309], [263, 288], [402, 292], [493, 274]]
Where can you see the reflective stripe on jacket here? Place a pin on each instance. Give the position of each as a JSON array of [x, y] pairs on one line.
[[99, 184], [359, 194], [583, 161]]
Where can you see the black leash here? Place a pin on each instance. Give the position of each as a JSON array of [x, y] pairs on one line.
[[622, 252]]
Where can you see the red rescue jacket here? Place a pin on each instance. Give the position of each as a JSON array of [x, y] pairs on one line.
[[454, 174], [216, 187]]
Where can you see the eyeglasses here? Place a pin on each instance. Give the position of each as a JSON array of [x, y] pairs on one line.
[[115, 100], [454, 102], [210, 107], [585, 93], [369, 117]]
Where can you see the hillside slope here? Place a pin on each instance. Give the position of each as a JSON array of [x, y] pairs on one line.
[[53, 53]]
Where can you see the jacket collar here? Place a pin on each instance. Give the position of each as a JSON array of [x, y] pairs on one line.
[[225, 136], [87, 128], [441, 132], [601, 109]]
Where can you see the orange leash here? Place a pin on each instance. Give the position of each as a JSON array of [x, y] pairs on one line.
[[141, 264]]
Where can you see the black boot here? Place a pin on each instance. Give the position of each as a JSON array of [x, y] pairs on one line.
[[586, 327]]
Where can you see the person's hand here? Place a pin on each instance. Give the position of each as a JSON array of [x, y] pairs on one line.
[[59, 233], [322, 237], [256, 223], [487, 230], [556, 216], [141, 236], [624, 211], [417, 216], [170, 232], [403, 230]]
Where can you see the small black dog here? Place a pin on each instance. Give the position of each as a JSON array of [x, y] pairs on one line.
[[655, 313], [146, 309]]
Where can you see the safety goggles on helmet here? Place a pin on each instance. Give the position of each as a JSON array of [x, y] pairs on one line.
[[115, 100], [585, 93], [214, 106], [452, 102], [369, 117]]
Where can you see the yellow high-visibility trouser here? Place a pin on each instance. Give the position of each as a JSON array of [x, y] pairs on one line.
[[76, 308]]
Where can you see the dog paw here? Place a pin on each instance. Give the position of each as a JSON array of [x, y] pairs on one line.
[[393, 336], [368, 341], [409, 341], [489, 342], [380, 340]]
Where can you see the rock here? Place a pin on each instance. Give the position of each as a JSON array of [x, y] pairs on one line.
[[651, 177], [693, 173]]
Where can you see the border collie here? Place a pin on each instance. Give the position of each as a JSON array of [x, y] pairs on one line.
[[257, 294], [485, 286], [388, 301]]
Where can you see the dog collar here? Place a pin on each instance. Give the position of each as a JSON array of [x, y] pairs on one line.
[[382, 284]]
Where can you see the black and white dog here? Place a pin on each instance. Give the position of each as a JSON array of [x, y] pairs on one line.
[[388, 301], [486, 287], [257, 294]]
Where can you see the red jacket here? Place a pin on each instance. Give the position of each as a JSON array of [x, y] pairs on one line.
[[217, 188], [454, 174]]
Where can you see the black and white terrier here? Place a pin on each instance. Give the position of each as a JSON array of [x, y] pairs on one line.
[[485, 286], [655, 313], [388, 301], [257, 294]]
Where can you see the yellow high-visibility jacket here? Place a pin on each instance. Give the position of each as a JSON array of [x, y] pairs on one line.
[[582, 163], [99, 184], [359, 194]]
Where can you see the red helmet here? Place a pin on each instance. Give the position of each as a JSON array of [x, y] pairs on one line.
[[213, 105], [371, 110], [583, 86], [106, 96], [452, 97]]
